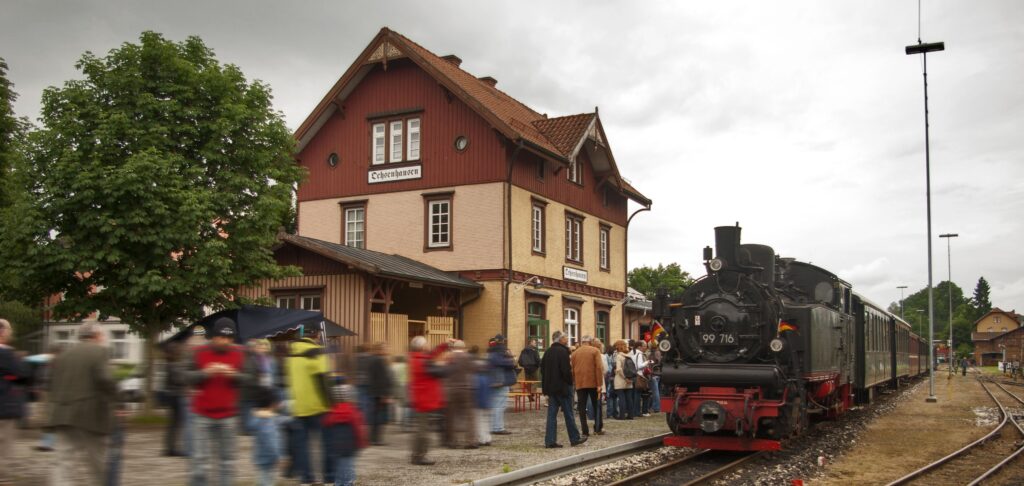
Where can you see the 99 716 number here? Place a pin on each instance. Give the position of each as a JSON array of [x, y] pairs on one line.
[[720, 338]]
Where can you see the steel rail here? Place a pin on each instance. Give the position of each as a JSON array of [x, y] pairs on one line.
[[668, 465], [961, 451], [677, 462], [724, 469], [1015, 453]]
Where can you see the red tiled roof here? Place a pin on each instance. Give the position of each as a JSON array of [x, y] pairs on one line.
[[557, 137], [565, 132]]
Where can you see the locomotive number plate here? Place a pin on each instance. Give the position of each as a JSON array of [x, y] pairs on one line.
[[717, 338]]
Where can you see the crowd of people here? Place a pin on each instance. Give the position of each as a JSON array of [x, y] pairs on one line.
[[285, 395]]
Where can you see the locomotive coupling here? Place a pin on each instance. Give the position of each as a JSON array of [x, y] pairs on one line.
[[712, 416]]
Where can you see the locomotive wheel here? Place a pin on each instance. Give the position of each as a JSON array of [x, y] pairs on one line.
[[673, 422]]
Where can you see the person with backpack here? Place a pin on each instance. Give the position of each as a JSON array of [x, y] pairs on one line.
[[529, 360], [625, 374], [640, 361]]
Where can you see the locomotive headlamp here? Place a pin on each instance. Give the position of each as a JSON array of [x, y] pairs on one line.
[[715, 265], [664, 345], [775, 345]]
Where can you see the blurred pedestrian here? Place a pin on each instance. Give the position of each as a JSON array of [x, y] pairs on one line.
[[345, 433], [556, 382], [379, 385], [460, 421], [14, 375], [257, 353], [611, 396], [82, 393], [623, 385], [264, 425], [425, 393], [499, 358], [529, 360], [217, 372], [482, 398], [587, 374], [400, 392], [47, 440], [307, 374], [174, 395], [197, 339], [653, 365]]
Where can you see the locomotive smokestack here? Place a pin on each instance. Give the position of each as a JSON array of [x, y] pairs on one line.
[[727, 243]]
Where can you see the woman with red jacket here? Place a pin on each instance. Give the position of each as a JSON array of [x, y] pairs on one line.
[[425, 393]]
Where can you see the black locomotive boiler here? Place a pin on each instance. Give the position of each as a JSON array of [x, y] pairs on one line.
[[758, 346]]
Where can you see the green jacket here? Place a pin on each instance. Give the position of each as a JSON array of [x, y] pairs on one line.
[[82, 390]]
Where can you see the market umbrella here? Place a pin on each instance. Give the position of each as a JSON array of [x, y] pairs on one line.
[[256, 321]]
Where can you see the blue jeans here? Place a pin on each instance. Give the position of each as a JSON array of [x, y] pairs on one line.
[[612, 397], [345, 471], [267, 475], [551, 430], [635, 400], [624, 397], [213, 438], [499, 402], [306, 427], [656, 394]]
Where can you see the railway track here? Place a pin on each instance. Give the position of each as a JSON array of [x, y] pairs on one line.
[[701, 467], [981, 459]]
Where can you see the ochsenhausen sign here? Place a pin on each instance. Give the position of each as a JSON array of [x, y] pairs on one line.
[[574, 274], [395, 174]]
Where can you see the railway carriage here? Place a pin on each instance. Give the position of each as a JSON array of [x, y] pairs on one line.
[[874, 349]]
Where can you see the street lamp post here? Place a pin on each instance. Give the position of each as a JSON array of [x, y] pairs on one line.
[[924, 49], [949, 290], [902, 288]]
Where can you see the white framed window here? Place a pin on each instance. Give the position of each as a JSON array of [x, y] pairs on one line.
[[604, 248], [573, 172], [311, 302], [286, 302], [413, 147], [439, 220], [396, 141], [537, 223], [379, 155], [573, 239], [355, 227], [572, 325], [118, 344]]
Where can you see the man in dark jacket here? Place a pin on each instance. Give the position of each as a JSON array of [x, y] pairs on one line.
[[378, 389], [13, 375], [82, 394], [529, 360], [556, 383]]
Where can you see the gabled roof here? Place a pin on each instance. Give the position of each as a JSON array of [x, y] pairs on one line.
[[995, 310], [377, 263], [559, 139]]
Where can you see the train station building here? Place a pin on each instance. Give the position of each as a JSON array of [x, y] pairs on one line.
[[997, 335], [437, 204]]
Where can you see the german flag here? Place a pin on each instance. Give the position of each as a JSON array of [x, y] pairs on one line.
[[785, 326], [657, 330]]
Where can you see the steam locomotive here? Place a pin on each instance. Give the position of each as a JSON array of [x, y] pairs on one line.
[[761, 345]]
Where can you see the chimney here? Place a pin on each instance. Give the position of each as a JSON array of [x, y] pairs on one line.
[[452, 58], [489, 80]]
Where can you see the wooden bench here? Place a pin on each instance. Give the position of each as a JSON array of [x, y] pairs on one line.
[[521, 401]]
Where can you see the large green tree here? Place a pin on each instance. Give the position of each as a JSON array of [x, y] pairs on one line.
[[647, 280], [160, 182]]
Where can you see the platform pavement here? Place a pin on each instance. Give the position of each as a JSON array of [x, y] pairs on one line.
[[382, 465]]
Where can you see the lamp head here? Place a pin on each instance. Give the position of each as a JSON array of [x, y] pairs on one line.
[[924, 48]]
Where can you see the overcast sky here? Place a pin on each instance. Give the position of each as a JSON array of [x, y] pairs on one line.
[[803, 121]]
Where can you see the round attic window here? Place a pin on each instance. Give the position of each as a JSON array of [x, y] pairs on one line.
[[332, 160], [461, 142]]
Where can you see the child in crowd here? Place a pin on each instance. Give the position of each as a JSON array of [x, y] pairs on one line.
[[345, 435], [265, 426]]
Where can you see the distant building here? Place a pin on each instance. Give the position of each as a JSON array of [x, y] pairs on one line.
[[996, 332], [425, 168]]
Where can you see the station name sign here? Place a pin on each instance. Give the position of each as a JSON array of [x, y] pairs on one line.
[[574, 274], [395, 174]]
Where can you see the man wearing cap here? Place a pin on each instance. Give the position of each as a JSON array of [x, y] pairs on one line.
[[588, 375], [217, 372], [556, 382], [503, 368]]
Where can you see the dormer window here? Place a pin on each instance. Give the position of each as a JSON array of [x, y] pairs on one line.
[[396, 141], [574, 173]]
